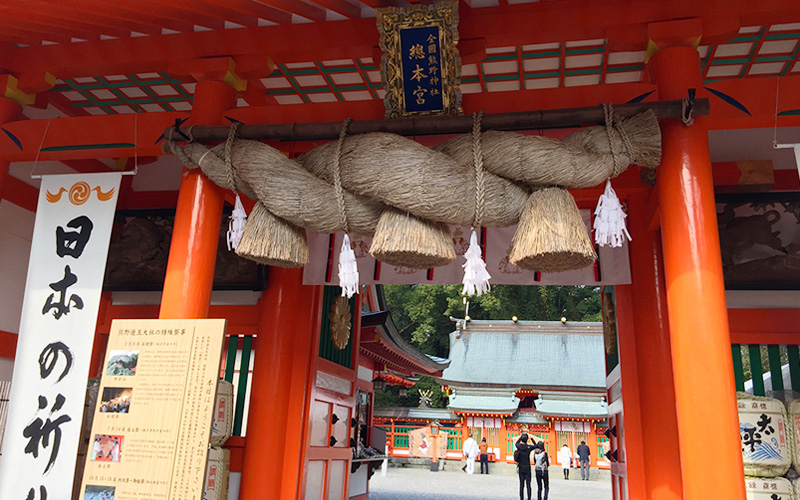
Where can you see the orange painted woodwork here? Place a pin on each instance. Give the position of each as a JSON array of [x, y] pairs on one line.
[[630, 433], [764, 326], [8, 344], [758, 93], [9, 110], [702, 364], [653, 358], [281, 369], [193, 249]]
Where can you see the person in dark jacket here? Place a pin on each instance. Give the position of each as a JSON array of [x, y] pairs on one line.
[[541, 463], [524, 465], [584, 456]]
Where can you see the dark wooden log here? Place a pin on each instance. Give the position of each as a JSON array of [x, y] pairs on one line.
[[436, 125]]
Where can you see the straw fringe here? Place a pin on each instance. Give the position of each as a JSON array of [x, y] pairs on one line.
[[269, 240], [402, 239], [551, 236]]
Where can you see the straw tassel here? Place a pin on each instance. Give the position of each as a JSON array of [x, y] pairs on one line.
[[476, 278], [236, 224], [348, 269], [609, 222]]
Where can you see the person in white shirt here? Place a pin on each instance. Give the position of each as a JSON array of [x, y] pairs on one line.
[[470, 450], [565, 459]]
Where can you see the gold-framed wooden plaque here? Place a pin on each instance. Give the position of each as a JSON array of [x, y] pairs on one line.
[[420, 67]]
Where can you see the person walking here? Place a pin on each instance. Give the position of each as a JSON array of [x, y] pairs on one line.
[[484, 448], [470, 450], [565, 459], [541, 463], [584, 456], [522, 456]]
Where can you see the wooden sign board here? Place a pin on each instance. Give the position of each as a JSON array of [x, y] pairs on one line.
[[420, 67], [155, 404]]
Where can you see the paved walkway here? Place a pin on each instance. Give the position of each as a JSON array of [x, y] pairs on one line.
[[421, 484]]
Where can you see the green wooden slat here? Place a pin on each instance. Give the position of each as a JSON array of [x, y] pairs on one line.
[[230, 360], [241, 394], [774, 355], [794, 366], [738, 368], [756, 371]]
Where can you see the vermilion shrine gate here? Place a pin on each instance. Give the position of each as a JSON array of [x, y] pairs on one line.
[[91, 86]]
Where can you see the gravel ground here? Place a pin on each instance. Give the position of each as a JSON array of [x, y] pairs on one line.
[[421, 484]]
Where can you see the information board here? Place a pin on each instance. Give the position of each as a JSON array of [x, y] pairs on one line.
[[155, 404]]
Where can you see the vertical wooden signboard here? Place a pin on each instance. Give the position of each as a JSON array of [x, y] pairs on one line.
[[152, 422], [420, 67]]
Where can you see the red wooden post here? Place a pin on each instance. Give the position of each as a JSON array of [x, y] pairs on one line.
[[701, 350], [195, 233]]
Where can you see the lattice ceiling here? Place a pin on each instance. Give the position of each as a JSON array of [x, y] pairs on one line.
[[758, 51]]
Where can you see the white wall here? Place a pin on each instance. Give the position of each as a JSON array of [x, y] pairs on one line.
[[6, 368], [16, 232]]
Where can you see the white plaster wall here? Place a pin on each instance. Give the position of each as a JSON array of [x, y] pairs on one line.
[[6, 369], [16, 232]]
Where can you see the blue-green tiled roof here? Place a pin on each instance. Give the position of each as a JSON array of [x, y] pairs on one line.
[[528, 354]]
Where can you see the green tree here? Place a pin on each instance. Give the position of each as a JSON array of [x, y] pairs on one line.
[[422, 314], [390, 397]]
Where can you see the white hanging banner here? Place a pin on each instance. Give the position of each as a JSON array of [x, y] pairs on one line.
[[59, 315], [611, 268]]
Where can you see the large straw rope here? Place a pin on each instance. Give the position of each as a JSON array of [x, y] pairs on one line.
[[436, 184]]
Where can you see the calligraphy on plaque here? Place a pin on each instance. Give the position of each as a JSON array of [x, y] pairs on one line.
[[420, 67]]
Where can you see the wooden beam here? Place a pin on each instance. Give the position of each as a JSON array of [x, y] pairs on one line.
[[438, 125], [341, 7], [19, 193], [764, 326], [58, 18], [118, 129], [216, 9], [123, 12], [80, 11], [33, 33], [500, 26], [88, 166], [257, 10], [301, 9], [8, 344], [165, 10]]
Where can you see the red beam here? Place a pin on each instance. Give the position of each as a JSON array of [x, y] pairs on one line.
[[172, 13], [764, 326], [19, 193], [149, 199], [87, 166], [500, 26], [214, 8], [757, 94], [8, 344]]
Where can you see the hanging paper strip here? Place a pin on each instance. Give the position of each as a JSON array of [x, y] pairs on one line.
[[59, 313]]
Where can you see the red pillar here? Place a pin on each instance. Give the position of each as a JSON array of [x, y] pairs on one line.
[[284, 355], [193, 249], [701, 348], [659, 424]]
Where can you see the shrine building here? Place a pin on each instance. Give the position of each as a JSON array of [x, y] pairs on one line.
[[504, 378]]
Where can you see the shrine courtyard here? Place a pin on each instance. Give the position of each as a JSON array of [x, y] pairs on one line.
[[422, 484]]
